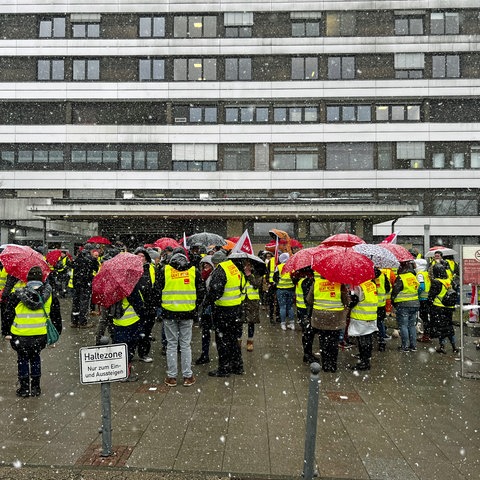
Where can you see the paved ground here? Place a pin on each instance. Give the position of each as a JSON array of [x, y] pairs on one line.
[[411, 417]]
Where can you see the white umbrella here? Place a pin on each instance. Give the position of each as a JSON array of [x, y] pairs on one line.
[[381, 257], [443, 250]]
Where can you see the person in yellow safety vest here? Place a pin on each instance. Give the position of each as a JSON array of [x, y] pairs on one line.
[[406, 303], [181, 289], [441, 315], [24, 324], [271, 294], [363, 321], [303, 280], [61, 274], [383, 290], [423, 278], [3, 281], [151, 301], [225, 297], [329, 301], [285, 294], [251, 302], [128, 320]]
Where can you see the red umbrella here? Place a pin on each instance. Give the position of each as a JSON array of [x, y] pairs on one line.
[[342, 240], [301, 259], [116, 279], [164, 242], [343, 265], [401, 253], [233, 239], [294, 243], [53, 256], [100, 240], [282, 246], [19, 259]]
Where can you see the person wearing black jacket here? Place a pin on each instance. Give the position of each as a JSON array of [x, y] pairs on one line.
[[84, 266], [24, 324]]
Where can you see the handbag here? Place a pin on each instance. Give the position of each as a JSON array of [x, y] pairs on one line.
[[52, 332]]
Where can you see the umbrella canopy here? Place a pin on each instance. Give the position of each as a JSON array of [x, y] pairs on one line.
[[238, 258], [116, 279], [282, 246], [444, 251], [301, 259], [205, 239], [401, 253], [283, 237], [342, 240], [233, 239], [100, 240], [294, 243], [381, 257], [19, 259], [164, 242], [343, 265], [53, 256]]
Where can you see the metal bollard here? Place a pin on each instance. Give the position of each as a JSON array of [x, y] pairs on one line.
[[309, 467], [106, 413]]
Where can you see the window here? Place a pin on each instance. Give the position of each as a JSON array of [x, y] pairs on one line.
[[295, 114], [237, 157], [449, 159], [410, 154], [238, 24], [446, 66], [7, 158], [444, 23], [195, 27], [450, 204], [238, 69], [86, 30], [151, 27], [304, 68], [40, 156], [86, 70], [95, 157], [262, 229], [408, 25], [202, 114], [349, 113], [397, 113], [340, 24], [475, 156], [349, 156], [151, 69], [52, 28], [51, 70], [305, 24], [385, 156], [301, 157], [409, 65], [251, 114], [341, 68], [138, 160], [194, 157], [194, 69]]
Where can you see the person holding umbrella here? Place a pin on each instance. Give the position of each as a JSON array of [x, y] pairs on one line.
[[24, 324]]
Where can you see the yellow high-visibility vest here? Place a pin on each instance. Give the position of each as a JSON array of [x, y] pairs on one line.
[[179, 293], [232, 292], [30, 322], [129, 317], [410, 288], [366, 309], [285, 280], [327, 295]]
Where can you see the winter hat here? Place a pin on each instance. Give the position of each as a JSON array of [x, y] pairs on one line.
[[218, 257], [283, 257], [35, 273], [420, 264], [148, 258]]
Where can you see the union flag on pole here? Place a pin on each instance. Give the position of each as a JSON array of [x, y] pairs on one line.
[[244, 244], [392, 238]]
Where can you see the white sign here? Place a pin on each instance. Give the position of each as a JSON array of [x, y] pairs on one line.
[[105, 363]]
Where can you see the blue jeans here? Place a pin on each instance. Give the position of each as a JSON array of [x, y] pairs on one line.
[[285, 297], [178, 332], [407, 319]]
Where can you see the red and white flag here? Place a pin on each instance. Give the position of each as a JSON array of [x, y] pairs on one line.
[[185, 245], [392, 238], [473, 312], [244, 244]]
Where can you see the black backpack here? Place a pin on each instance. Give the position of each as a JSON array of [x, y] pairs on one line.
[[450, 298]]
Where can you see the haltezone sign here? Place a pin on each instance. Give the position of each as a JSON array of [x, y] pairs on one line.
[[105, 363]]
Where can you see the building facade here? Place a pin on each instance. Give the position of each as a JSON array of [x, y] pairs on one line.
[[138, 120]]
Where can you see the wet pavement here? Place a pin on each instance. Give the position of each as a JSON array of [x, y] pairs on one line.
[[411, 417]]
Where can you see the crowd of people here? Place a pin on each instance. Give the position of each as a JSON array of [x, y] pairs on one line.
[[204, 284]]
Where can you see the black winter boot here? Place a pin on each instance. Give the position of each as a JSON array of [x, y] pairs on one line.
[[35, 389], [24, 390]]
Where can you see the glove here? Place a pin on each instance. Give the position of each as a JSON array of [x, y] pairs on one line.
[[353, 301]]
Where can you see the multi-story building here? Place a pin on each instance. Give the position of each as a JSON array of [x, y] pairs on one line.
[[147, 119]]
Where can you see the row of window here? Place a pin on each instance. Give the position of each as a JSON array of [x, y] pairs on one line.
[[249, 24], [195, 69], [210, 157]]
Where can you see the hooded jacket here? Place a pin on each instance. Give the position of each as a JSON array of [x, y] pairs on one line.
[[29, 296]]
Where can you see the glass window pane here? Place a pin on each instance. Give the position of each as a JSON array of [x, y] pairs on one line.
[[144, 70], [209, 166], [139, 160], [348, 67], [297, 69], [245, 69], [210, 69], [348, 114], [45, 30], [453, 66], [246, 114], [94, 156], [195, 27], [7, 157], [413, 113], [93, 30], [311, 114], [126, 159], [210, 114], [56, 156], [25, 156], [312, 29], [279, 114], [436, 23], [298, 29], [458, 160], [58, 70], [179, 69], [401, 26], [210, 26], [381, 113], [79, 69], [261, 114], [438, 160], [384, 156], [283, 161], [333, 114], [452, 23], [438, 66], [416, 26], [79, 30], [475, 157], [364, 113], [334, 68], [311, 68], [231, 69], [179, 166], [40, 156], [109, 156], [59, 27], [195, 115], [152, 160], [43, 67], [180, 27], [93, 69], [398, 113], [231, 115], [79, 156], [145, 27], [158, 69], [307, 161], [295, 114], [158, 26]]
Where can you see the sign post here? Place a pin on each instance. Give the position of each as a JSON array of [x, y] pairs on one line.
[[104, 364]]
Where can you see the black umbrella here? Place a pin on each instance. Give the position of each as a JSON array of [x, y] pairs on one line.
[[238, 258], [206, 239]]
